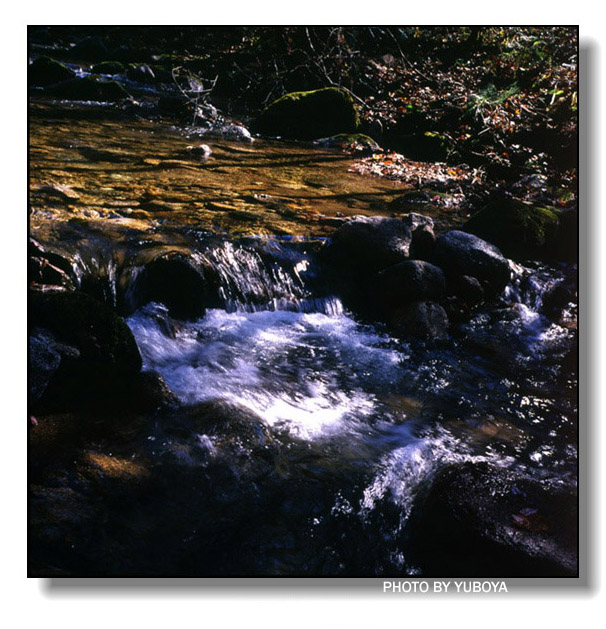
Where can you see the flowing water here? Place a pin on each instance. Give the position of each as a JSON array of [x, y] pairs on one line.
[[360, 421]]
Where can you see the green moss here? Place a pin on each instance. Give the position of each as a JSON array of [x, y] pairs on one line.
[[309, 115], [520, 230]]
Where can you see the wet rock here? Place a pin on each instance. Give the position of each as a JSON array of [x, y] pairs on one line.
[[479, 520], [521, 231], [140, 73], [234, 132], [57, 191], [370, 244], [230, 423], [107, 358], [203, 151], [559, 296], [309, 115], [90, 89], [108, 67], [45, 71], [423, 242], [457, 310], [466, 288], [357, 143], [45, 356], [414, 220], [173, 280], [150, 392], [460, 253], [412, 280], [424, 320], [410, 199]]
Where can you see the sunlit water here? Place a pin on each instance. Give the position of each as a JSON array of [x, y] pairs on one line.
[[496, 391]]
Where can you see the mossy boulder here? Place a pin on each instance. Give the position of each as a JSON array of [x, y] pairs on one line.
[[521, 231], [108, 67], [90, 88], [309, 115], [103, 359], [45, 71], [140, 73]]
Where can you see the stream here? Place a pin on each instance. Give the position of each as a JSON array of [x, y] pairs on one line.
[[354, 423]]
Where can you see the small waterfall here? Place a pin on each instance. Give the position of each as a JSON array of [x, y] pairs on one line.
[[96, 274], [251, 281]]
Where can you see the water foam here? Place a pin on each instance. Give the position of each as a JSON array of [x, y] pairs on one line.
[[310, 373]]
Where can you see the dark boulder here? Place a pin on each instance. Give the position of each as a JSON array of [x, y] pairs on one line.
[[423, 320], [357, 143], [229, 424], [103, 357], [90, 89], [235, 437], [415, 220], [467, 288], [173, 280], [309, 115], [150, 392], [108, 67], [521, 231], [558, 297], [140, 73], [369, 244], [412, 280], [460, 253], [45, 356], [423, 242], [477, 520], [45, 71], [234, 132], [89, 49]]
